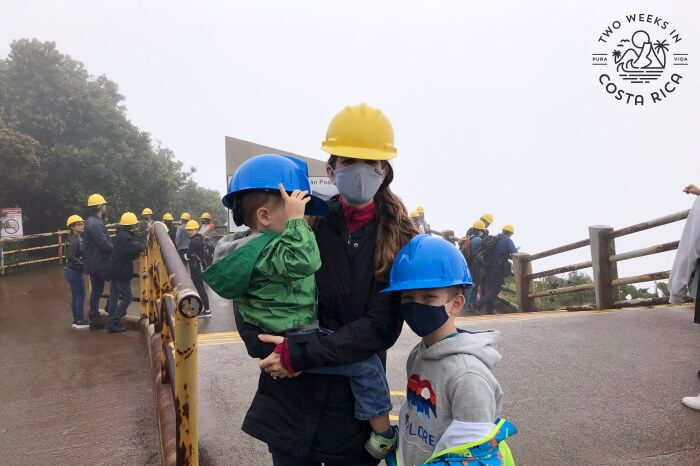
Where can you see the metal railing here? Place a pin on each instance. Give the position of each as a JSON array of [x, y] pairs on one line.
[[603, 261], [170, 301]]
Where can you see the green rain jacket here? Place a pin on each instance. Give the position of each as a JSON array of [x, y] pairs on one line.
[[271, 278]]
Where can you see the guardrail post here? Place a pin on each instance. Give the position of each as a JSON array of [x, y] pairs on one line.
[[604, 271], [448, 235], [522, 267], [60, 248], [186, 397]]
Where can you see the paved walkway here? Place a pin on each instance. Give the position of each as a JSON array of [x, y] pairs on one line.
[[588, 388], [69, 397]]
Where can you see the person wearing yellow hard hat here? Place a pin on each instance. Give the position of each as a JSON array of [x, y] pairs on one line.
[[125, 250], [207, 228], [494, 254], [182, 241], [143, 226], [98, 246], [469, 245], [168, 220], [358, 240], [199, 258], [73, 270]]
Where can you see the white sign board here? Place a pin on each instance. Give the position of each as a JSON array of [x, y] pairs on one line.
[[323, 187], [11, 223]]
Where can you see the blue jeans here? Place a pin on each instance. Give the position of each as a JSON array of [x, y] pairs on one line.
[[97, 282], [118, 291], [476, 280], [367, 381], [77, 288]]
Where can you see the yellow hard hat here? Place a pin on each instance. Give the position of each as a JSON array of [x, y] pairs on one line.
[[479, 225], [415, 214], [420, 210], [168, 216], [509, 228], [96, 199], [147, 211], [206, 215], [74, 218], [360, 132], [128, 219], [487, 218], [192, 225], [185, 216]]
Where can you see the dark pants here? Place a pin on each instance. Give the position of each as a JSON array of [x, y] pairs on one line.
[[77, 288], [199, 284], [280, 458], [121, 291], [494, 279], [97, 282]]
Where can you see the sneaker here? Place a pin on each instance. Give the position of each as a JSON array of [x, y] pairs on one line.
[[379, 446], [95, 325], [118, 328], [82, 323], [205, 313], [692, 402]]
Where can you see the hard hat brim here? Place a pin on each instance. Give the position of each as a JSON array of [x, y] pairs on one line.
[[317, 207], [358, 152], [426, 285]]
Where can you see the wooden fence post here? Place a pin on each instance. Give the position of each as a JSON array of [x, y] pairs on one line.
[[604, 271], [522, 267], [60, 248]]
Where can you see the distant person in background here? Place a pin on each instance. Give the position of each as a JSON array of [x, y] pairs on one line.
[[73, 271], [686, 270], [415, 216], [469, 248], [207, 228], [168, 220], [200, 257], [493, 254], [142, 227], [488, 220], [121, 260], [182, 240], [98, 246]]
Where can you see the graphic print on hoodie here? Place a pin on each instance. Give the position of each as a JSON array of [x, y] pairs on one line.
[[452, 398]]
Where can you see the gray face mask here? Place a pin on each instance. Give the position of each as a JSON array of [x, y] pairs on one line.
[[359, 182]]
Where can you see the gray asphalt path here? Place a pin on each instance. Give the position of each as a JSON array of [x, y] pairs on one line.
[[69, 397], [583, 388]]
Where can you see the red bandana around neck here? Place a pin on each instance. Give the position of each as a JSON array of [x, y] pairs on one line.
[[356, 218]]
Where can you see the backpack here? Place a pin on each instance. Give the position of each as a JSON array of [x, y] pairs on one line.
[[486, 254], [209, 246]]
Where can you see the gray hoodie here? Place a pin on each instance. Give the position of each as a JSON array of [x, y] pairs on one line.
[[452, 398], [686, 260]]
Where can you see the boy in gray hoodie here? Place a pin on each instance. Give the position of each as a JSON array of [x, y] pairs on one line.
[[453, 400]]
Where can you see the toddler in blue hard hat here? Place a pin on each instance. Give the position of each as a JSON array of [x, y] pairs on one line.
[[269, 274], [453, 401]]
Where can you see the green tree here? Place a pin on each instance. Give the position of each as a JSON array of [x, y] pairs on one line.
[[86, 144], [19, 157]]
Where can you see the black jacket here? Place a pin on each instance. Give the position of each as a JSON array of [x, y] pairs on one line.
[[74, 252], [312, 416], [197, 256], [121, 261], [172, 229], [98, 246]]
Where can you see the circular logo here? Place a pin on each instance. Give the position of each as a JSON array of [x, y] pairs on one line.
[[11, 226], [640, 59]]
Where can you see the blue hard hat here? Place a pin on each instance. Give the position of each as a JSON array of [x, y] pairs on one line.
[[428, 262], [266, 171]]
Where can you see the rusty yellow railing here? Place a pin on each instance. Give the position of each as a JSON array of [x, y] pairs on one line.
[[170, 301]]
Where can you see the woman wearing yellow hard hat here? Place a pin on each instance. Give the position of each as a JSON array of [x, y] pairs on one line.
[[73, 270], [469, 247], [125, 250], [358, 241], [168, 220], [182, 241], [199, 259], [143, 225]]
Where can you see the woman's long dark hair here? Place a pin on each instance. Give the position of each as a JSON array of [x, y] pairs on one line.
[[395, 227]]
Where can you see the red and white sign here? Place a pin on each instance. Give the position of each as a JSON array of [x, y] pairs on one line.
[[10, 223]]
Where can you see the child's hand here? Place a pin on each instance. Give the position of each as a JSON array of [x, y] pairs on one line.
[[295, 203], [692, 189]]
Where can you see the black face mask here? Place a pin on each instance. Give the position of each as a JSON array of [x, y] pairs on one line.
[[422, 318]]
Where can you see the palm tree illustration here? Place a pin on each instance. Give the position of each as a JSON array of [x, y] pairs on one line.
[[617, 54], [661, 47]]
